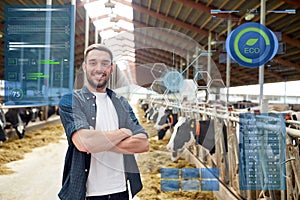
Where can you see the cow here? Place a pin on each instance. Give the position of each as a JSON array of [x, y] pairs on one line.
[[151, 114], [51, 110], [28, 114], [144, 105], [188, 132], [166, 120], [292, 120], [35, 113], [14, 118], [3, 136], [19, 118]]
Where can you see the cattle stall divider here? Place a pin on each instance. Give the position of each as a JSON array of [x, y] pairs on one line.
[[228, 162]]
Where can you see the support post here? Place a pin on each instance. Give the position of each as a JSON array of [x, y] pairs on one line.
[[87, 28], [262, 68], [228, 67]]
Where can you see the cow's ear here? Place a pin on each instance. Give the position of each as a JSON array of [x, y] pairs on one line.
[[192, 124]]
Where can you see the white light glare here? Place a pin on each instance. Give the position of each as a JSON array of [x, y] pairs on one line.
[[287, 11], [217, 11]]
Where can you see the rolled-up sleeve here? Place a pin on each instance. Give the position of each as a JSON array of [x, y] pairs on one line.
[[71, 115]]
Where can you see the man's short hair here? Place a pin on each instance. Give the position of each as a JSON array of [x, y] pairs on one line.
[[100, 47]]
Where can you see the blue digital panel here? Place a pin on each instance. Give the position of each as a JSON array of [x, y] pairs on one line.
[[262, 152], [169, 172], [210, 172], [189, 179], [169, 185], [39, 54], [210, 185], [190, 173], [190, 185]]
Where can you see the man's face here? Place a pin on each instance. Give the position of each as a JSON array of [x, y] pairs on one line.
[[98, 68]]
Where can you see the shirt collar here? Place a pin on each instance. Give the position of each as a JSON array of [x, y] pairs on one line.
[[88, 94]]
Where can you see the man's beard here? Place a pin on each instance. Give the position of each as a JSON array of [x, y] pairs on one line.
[[98, 85]]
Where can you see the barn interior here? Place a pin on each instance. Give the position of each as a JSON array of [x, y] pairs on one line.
[[196, 23], [171, 57]]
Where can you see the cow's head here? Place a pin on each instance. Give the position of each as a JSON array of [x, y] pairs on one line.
[[182, 137], [2, 119], [2, 126], [35, 112]]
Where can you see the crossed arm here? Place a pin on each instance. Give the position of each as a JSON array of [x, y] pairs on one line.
[[120, 141]]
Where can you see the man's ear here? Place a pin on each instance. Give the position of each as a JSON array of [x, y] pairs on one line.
[[83, 66], [112, 68]]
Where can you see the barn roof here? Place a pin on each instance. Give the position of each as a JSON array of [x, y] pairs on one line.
[[193, 19]]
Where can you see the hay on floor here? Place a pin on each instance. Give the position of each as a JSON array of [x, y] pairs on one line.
[[14, 149]]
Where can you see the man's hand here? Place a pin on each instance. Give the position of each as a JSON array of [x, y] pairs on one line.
[[134, 144]]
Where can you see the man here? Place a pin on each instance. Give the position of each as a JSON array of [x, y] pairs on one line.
[[103, 135]]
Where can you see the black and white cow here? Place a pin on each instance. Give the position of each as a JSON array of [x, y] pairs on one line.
[[19, 118], [28, 114], [166, 119], [151, 114], [34, 113], [16, 118], [13, 117], [188, 132], [144, 105], [3, 136]]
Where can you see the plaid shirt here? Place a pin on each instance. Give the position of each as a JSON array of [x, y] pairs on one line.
[[78, 111]]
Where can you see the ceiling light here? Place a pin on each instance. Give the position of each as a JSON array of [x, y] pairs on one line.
[[213, 42], [109, 4], [249, 16], [116, 28], [113, 17]]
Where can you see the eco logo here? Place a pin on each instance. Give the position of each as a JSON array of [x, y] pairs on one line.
[[252, 45]]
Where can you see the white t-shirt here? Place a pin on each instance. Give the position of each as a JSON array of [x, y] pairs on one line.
[[106, 174]]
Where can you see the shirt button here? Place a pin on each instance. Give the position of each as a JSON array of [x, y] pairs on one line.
[[85, 170], [94, 104], [93, 118]]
